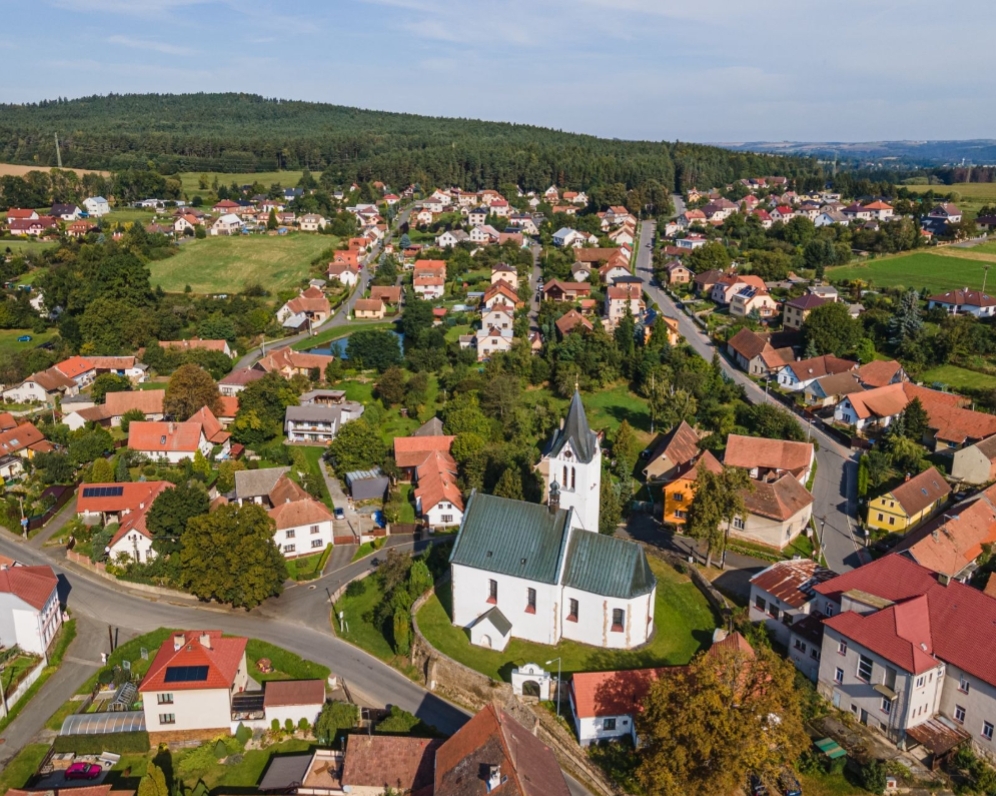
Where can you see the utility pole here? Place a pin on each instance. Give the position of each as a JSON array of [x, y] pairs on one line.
[[58, 152]]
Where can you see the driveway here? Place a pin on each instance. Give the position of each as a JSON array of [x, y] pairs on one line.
[[835, 488]]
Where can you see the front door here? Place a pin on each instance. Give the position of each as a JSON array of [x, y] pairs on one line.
[[864, 716]]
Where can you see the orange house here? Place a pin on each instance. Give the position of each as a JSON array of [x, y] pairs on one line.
[[678, 493]]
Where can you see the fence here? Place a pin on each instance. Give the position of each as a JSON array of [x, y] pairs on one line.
[[101, 569], [16, 695], [63, 494]]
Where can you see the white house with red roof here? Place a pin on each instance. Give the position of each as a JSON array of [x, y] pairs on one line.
[[189, 689], [30, 614], [173, 442], [127, 504], [910, 653]]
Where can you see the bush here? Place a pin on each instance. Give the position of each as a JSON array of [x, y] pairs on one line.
[[289, 725], [873, 776], [275, 725], [117, 742], [356, 588], [243, 734], [303, 725]]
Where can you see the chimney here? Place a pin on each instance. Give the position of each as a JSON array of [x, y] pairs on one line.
[[206, 640], [907, 477], [934, 534], [554, 502], [178, 641]]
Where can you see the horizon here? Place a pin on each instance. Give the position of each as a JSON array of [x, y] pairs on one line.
[[650, 70]]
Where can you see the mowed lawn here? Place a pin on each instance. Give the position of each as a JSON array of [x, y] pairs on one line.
[[683, 625], [8, 339], [935, 272], [225, 264], [957, 378], [27, 246]]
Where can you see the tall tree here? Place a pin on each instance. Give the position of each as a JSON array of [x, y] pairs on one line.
[[154, 782], [357, 446], [694, 723], [906, 323], [718, 500], [190, 388], [229, 555], [171, 512], [830, 329]]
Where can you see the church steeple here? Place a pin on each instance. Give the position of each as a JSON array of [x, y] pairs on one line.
[[576, 431], [573, 467]]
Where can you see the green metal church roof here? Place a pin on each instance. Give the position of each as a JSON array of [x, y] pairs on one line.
[[607, 566]]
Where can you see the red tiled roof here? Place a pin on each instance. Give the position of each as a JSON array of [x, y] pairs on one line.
[[818, 367], [394, 763], [149, 402], [298, 513], [437, 481], [780, 500], [222, 657], [973, 298], [279, 693], [74, 366], [570, 320], [19, 438], [617, 693], [210, 426], [412, 451], [792, 581], [680, 445], [133, 495], [242, 376], [34, 585], [162, 437], [7, 421], [229, 406], [767, 454], [196, 342], [289, 359], [879, 372], [368, 305], [900, 633], [389, 295]]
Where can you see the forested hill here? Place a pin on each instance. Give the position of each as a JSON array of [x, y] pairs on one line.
[[242, 132]]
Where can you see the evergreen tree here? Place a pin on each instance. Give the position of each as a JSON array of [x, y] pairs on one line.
[[906, 323]]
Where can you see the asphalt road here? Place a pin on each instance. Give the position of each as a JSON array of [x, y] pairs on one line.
[[834, 490]]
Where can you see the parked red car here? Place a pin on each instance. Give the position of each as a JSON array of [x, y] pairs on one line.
[[83, 771]]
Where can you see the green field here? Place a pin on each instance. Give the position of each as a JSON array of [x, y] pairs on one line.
[[8, 339], [25, 246], [227, 263], [287, 179], [972, 191], [920, 269], [683, 625], [957, 378]]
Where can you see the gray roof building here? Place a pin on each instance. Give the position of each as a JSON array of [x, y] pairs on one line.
[[251, 484], [575, 430]]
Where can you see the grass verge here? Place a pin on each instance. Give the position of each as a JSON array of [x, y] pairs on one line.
[[308, 567], [23, 766], [66, 635], [367, 548], [286, 665]]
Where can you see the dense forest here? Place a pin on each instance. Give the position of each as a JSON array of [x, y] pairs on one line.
[[245, 133]]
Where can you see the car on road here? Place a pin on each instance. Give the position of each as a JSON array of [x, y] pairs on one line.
[[24, 338], [375, 562], [83, 771], [340, 514]]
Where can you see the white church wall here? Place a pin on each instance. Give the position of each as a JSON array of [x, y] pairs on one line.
[[471, 589], [594, 622]]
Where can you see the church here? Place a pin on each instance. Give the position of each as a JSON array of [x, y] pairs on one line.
[[543, 572]]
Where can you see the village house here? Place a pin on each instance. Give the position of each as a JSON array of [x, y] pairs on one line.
[[975, 464], [499, 316], [312, 222], [173, 442], [946, 213], [880, 373], [302, 525], [570, 321], [30, 613], [830, 390], [800, 374], [65, 212], [555, 290], [678, 273], [620, 299], [971, 302], [565, 237], [429, 287], [706, 281], [451, 238], [192, 686], [347, 273], [781, 595], [501, 294], [115, 406], [24, 441], [369, 309], [753, 301], [236, 381], [728, 285], [390, 295], [43, 387], [902, 651], [288, 363], [798, 309], [755, 354], [952, 544], [319, 423], [126, 504], [908, 504], [503, 272], [674, 450], [492, 340], [35, 227], [438, 499], [312, 304], [679, 488], [96, 206], [228, 224]]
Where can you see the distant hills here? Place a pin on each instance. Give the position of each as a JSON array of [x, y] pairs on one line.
[[980, 151], [248, 133]]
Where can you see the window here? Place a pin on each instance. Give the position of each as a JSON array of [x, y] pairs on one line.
[[887, 706], [959, 714], [167, 718], [842, 648], [164, 699], [530, 601], [759, 604], [679, 515], [773, 610], [838, 675], [799, 645], [314, 529], [889, 680], [963, 685], [864, 668], [289, 548], [987, 730], [316, 543], [814, 653], [679, 497], [447, 519], [880, 516], [290, 533], [738, 523], [892, 520], [608, 724], [492, 591], [920, 681], [787, 619], [829, 610], [574, 478], [572, 611], [618, 619]]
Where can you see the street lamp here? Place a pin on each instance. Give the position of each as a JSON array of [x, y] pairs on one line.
[[559, 663]]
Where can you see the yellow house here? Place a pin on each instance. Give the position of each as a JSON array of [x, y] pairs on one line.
[[679, 492], [912, 501]]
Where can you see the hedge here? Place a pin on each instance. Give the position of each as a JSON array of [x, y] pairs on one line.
[[118, 742]]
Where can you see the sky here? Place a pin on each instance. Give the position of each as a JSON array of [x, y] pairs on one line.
[[699, 70]]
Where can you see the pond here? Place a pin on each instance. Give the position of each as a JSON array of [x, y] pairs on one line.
[[337, 347]]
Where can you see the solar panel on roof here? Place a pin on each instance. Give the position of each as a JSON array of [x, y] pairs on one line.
[[103, 491], [186, 674]]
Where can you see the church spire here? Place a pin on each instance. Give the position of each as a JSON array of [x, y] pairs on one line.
[[577, 431]]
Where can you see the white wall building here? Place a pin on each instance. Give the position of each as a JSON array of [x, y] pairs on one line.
[[30, 614]]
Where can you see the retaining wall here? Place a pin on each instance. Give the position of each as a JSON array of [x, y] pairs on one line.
[[18, 693]]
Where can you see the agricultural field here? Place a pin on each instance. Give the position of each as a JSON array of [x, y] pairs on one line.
[[958, 379], [191, 179], [14, 170], [23, 246], [973, 194], [936, 272], [225, 264]]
